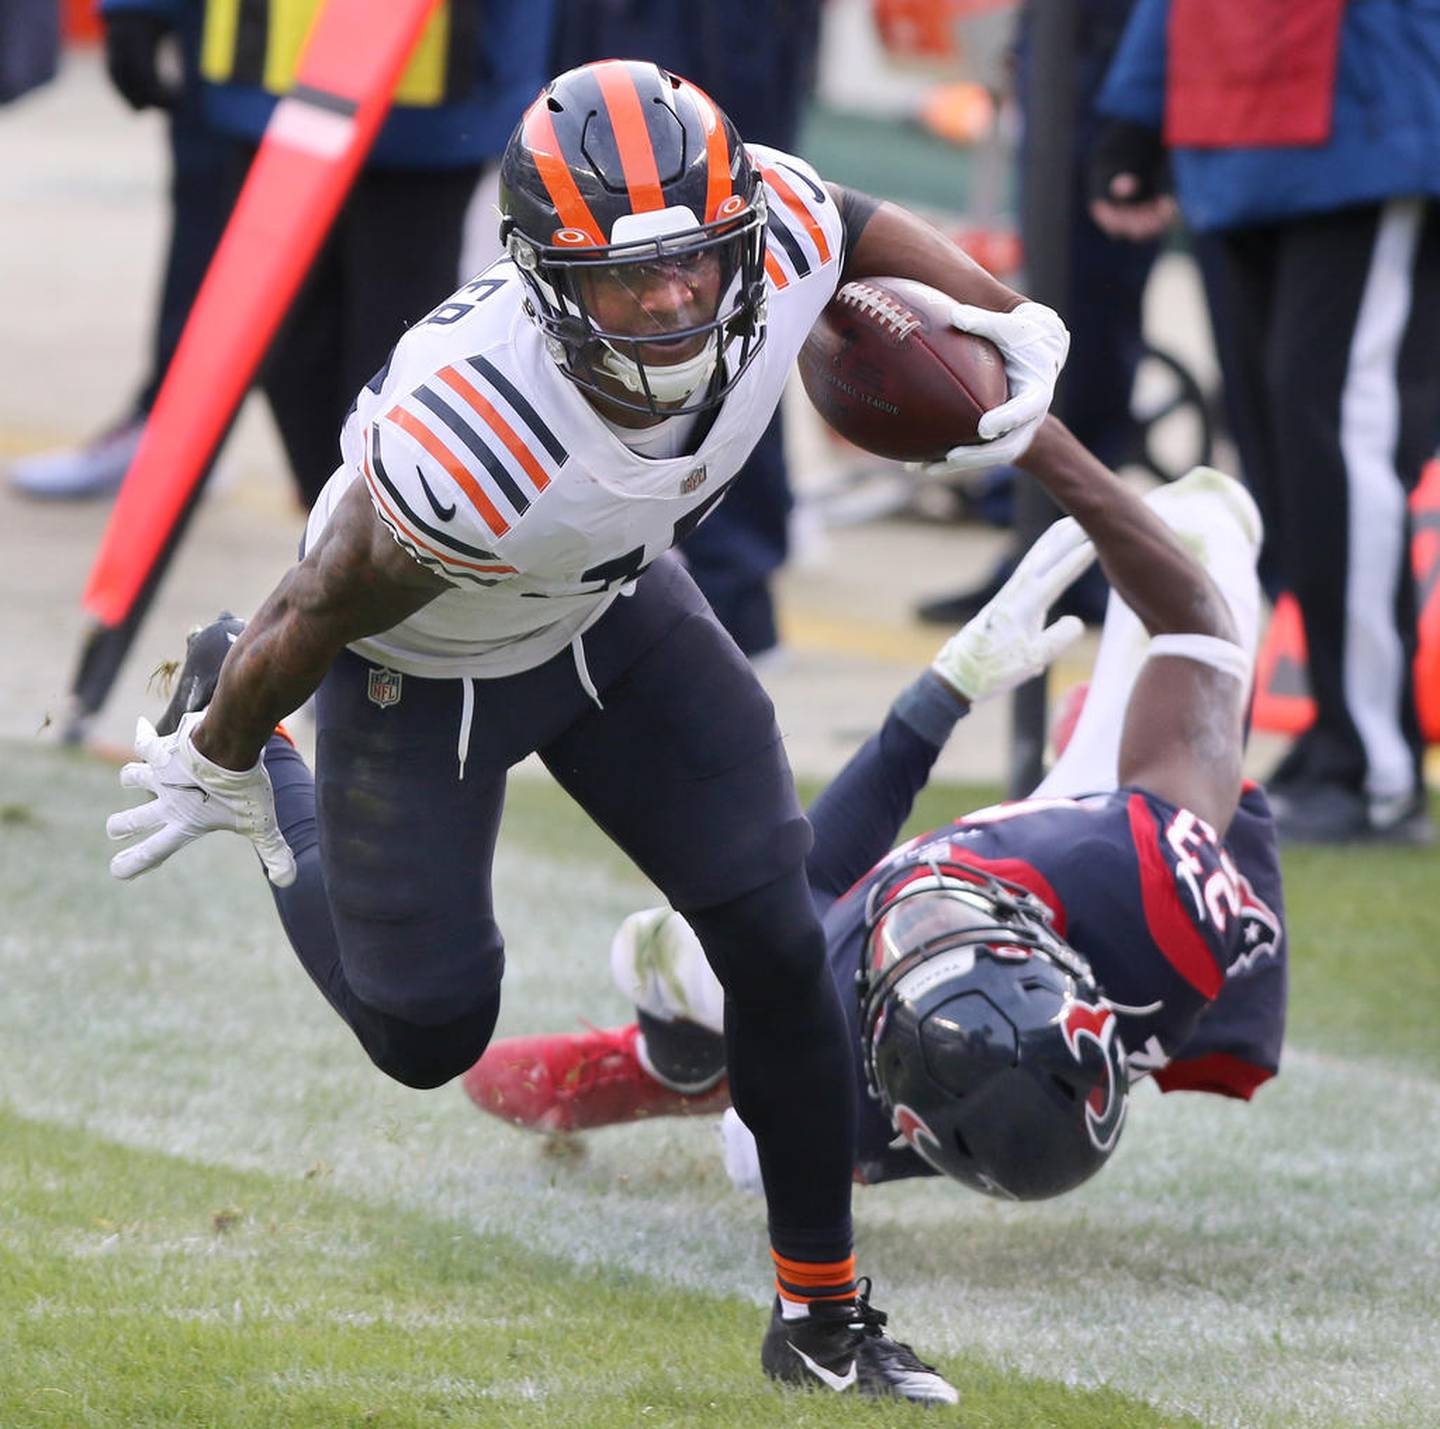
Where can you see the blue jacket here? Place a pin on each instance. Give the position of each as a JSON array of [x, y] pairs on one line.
[[1385, 140], [511, 65]]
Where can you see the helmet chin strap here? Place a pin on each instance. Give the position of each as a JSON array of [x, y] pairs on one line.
[[673, 382]]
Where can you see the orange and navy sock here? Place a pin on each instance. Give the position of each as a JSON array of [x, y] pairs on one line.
[[800, 1283]]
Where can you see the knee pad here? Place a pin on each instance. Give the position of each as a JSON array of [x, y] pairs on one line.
[[425, 1056], [422, 974]]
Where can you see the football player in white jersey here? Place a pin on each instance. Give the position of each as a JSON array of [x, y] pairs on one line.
[[485, 577]]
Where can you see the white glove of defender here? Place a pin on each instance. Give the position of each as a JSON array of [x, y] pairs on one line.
[[1033, 343], [1008, 642], [193, 796]]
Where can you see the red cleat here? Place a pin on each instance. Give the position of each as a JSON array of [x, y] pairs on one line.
[[578, 1080]]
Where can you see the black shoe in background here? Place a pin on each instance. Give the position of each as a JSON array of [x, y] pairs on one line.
[[1335, 814], [205, 652], [955, 609]]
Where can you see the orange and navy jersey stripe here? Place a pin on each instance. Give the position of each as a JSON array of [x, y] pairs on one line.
[[796, 239], [489, 455], [435, 548]]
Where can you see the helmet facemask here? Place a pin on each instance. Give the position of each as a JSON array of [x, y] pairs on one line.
[[955, 904], [985, 1037], [620, 176], [565, 282]]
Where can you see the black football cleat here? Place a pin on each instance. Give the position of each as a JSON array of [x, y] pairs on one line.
[[1320, 813], [842, 1346], [205, 652]]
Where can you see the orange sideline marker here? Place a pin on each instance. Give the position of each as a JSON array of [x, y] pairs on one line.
[[315, 142]]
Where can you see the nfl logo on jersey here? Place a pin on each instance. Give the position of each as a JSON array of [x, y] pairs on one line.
[[384, 688]]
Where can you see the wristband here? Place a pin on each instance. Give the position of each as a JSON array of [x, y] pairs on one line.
[[930, 707], [1218, 654]]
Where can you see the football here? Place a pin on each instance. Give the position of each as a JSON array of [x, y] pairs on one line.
[[886, 370]]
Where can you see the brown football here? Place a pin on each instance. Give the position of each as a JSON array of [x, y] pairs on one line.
[[887, 371]]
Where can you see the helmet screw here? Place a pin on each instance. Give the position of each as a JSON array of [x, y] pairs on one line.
[[524, 254]]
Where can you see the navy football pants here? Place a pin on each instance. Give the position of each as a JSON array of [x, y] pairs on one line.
[[683, 767]]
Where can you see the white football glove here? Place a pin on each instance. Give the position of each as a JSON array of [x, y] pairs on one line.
[[1033, 343], [1008, 642], [193, 796]]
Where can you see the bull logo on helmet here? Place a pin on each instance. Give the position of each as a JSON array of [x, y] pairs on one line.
[[1091, 1032]]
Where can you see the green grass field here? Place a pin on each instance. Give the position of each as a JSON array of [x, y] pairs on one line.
[[213, 1211]]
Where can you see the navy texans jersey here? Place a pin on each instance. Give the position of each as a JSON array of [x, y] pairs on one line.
[[1183, 929]]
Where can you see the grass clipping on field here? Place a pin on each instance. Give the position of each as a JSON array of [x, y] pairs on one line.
[[277, 1219]]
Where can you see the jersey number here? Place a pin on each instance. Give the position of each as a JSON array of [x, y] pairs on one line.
[[1219, 893], [627, 567], [617, 572], [478, 289]]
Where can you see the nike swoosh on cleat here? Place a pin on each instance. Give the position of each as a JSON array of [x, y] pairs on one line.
[[837, 1382], [443, 512]]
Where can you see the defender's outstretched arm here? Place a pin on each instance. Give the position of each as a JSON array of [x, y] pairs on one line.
[[1183, 736]]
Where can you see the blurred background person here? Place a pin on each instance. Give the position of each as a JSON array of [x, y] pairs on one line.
[[153, 63], [1305, 149], [29, 45], [1103, 307], [396, 248], [756, 60]]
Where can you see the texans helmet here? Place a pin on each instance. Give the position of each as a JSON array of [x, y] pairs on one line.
[[985, 1036], [617, 168]]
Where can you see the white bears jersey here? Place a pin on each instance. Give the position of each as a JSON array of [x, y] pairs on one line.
[[491, 468]]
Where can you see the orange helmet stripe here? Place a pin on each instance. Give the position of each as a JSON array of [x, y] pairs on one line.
[[776, 272], [717, 149], [793, 202], [555, 173], [632, 138]]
